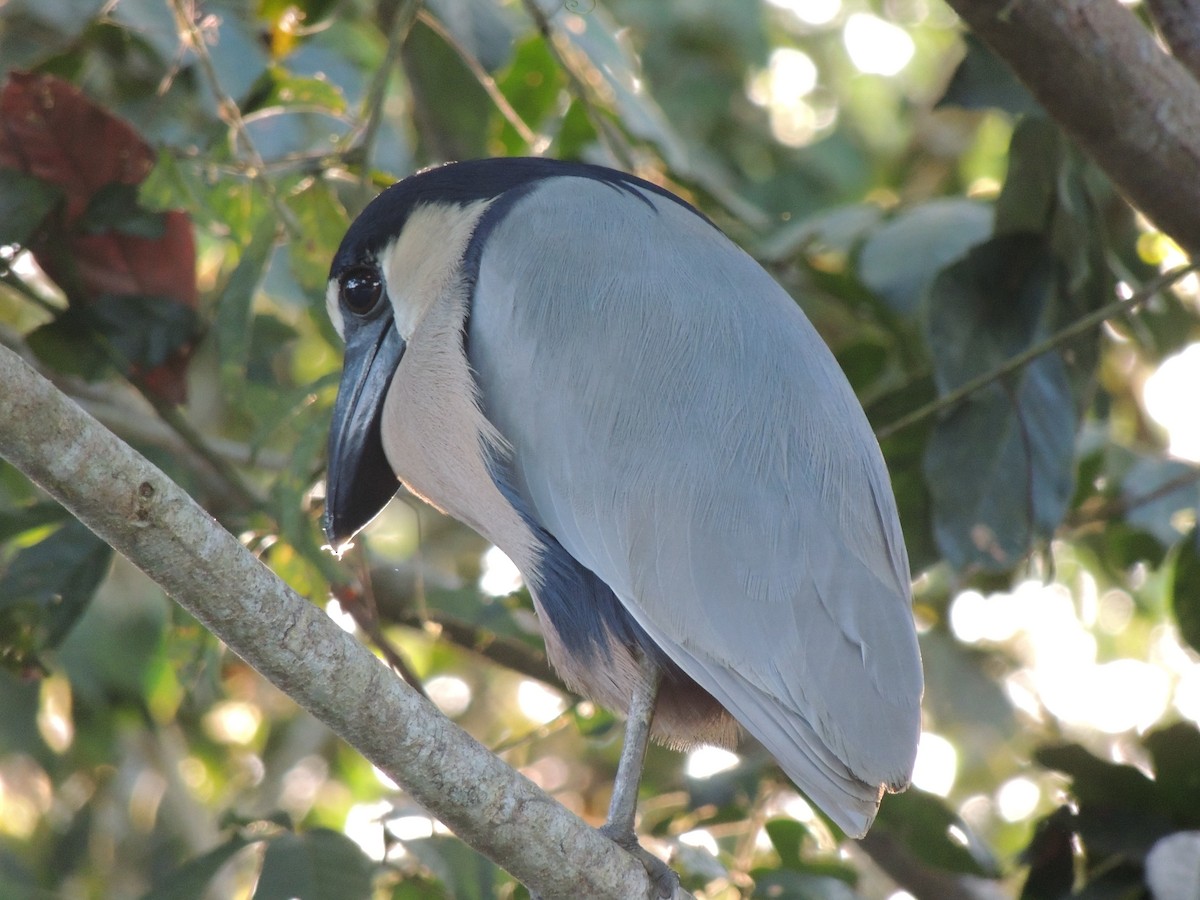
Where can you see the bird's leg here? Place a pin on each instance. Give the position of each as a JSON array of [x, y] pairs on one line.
[[623, 806]]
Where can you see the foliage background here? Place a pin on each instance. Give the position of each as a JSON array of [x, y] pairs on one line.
[[928, 216]]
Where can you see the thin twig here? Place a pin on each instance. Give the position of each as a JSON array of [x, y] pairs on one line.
[[487, 82], [1091, 320], [231, 114], [1103, 511], [402, 23], [609, 134]]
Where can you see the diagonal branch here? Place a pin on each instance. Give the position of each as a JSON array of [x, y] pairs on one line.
[[1102, 76], [133, 506], [1179, 23], [1012, 364]]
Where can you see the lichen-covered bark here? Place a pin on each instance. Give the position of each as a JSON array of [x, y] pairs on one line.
[[133, 506], [1102, 75]]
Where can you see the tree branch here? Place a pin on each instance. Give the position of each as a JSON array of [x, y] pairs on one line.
[[1179, 23], [1013, 363], [150, 520], [1102, 76]]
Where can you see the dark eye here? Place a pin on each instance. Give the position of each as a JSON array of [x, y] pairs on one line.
[[361, 290]]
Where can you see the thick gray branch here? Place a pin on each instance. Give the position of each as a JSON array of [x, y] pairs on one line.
[[1100, 73], [1179, 23], [149, 519]]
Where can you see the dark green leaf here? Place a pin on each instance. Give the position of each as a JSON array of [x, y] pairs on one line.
[[323, 222], [1175, 751], [999, 465], [68, 346], [466, 874], [1035, 158], [232, 322], [115, 208], [24, 203], [982, 81], [934, 834], [314, 865], [1121, 811], [18, 521], [1185, 588], [1051, 858], [454, 109], [787, 837], [50, 584], [146, 331], [190, 881], [902, 256], [800, 885]]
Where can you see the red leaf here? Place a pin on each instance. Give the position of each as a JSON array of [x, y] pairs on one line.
[[49, 129]]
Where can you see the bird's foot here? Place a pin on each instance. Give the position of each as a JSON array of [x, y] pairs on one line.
[[662, 876]]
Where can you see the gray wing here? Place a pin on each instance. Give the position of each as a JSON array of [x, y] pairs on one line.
[[678, 425]]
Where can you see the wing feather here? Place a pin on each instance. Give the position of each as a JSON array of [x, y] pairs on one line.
[[680, 428]]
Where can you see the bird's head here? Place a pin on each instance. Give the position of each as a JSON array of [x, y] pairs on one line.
[[359, 482]]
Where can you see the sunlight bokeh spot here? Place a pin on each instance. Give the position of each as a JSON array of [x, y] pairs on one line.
[[539, 703], [54, 721], [877, 47], [364, 826], [411, 828], [1169, 398], [705, 762], [1017, 799], [937, 764], [450, 694], [500, 575], [233, 722], [781, 89], [341, 618], [702, 838], [384, 778], [1187, 693], [810, 12]]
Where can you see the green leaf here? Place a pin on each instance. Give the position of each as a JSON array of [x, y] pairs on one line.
[[1185, 588], [1036, 155], [999, 465], [532, 85], [233, 318], [17, 522], [466, 874], [323, 222], [934, 834], [146, 331], [315, 865], [901, 257], [836, 231], [1175, 751], [983, 81], [25, 202], [46, 587], [287, 90], [115, 208], [1121, 811], [455, 110], [800, 885], [787, 837], [1051, 857], [190, 881]]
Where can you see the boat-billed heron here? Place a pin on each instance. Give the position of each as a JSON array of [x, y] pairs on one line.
[[583, 368]]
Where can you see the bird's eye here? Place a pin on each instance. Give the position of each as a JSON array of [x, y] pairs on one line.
[[361, 290]]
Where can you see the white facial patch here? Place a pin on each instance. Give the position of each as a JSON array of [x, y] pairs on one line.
[[333, 307], [426, 259]]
